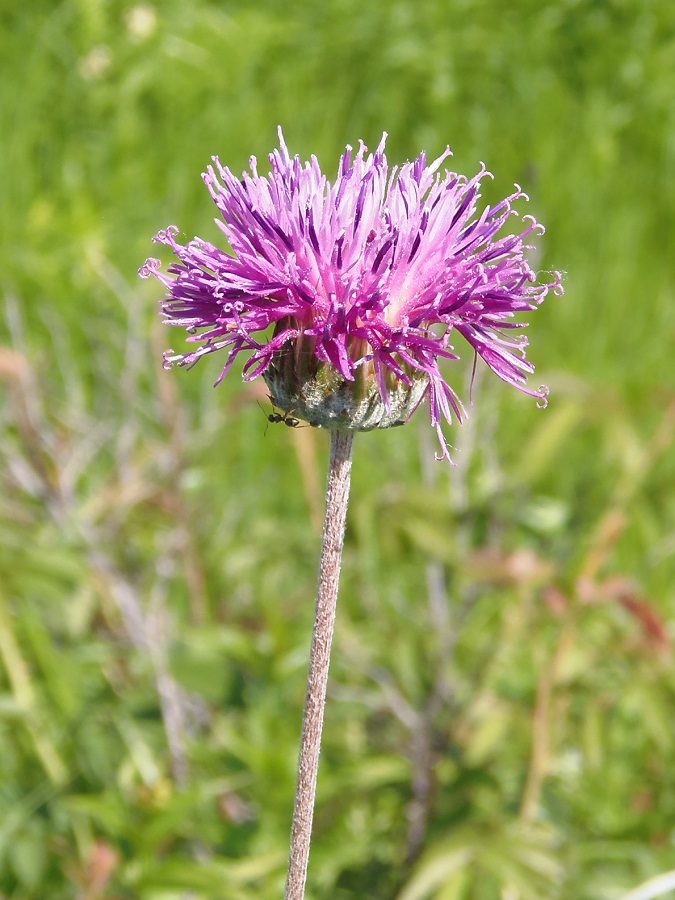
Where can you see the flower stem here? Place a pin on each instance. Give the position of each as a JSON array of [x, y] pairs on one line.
[[337, 496]]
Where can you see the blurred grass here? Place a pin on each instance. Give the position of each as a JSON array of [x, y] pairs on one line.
[[502, 690]]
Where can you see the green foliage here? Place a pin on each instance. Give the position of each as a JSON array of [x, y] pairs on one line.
[[499, 721]]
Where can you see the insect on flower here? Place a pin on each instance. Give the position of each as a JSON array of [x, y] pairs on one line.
[[286, 418], [360, 283]]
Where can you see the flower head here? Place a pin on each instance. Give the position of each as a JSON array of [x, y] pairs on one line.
[[347, 294]]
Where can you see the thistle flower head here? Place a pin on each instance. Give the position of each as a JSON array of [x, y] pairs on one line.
[[346, 294]]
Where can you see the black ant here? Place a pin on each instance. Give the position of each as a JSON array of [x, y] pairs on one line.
[[286, 418], [276, 417]]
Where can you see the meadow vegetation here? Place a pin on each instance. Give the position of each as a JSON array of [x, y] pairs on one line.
[[503, 691]]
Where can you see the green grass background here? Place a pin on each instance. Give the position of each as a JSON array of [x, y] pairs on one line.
[[500, 721]]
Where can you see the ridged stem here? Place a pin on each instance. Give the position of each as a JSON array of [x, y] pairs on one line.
[[337, 496]]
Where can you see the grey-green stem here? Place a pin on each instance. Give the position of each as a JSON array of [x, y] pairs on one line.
[[337, 496]]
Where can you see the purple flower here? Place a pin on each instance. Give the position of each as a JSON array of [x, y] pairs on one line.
[[365, 281]]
